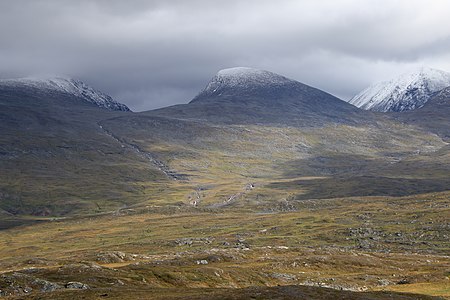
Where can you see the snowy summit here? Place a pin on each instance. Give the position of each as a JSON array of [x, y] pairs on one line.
[[407, 92], [243, 77], [242, 80], [66, 85]]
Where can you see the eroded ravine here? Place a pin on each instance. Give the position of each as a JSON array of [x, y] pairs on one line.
[[170, 173]]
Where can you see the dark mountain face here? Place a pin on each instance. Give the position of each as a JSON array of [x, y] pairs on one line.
[[434, 116], [56, 159], [246, 96], [440, 102]]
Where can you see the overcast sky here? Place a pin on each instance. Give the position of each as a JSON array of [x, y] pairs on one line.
[[149, 54]]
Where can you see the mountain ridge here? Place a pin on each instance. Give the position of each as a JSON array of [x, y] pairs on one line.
[[406, 92], [66, 85]]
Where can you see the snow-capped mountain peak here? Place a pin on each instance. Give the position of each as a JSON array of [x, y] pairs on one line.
[[243, 80], [243, 76], [66, 85], [406, 92]]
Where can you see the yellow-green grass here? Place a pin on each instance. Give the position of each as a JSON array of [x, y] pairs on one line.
[[312, 244], [441, 289]]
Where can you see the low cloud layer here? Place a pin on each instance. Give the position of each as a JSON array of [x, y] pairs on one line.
[[149, 54]]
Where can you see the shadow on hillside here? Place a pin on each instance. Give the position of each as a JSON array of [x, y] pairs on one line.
[[353, 175]]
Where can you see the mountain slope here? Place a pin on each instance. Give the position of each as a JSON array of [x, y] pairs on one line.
[[250, 125], [250, 96], [56, 160], [407, 92], [434, 116], [69, 86]]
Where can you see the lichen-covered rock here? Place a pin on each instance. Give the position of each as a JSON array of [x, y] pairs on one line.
[[46, 286], [76, 285]]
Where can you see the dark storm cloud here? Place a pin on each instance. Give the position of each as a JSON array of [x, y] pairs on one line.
[[149, 54]]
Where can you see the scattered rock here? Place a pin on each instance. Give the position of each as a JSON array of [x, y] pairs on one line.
[[249, 186], [120, 282], [384, 282], [404, 281], [184, 242], [282, 247], [191, 241], [76, 285], [283, 276], [214, 258], [46, 286], [37, 261], [242, 246], [112, 257], [18, 284]]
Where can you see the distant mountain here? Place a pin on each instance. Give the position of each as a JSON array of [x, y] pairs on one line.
[[406, 92], [69, 86], [245, 95]]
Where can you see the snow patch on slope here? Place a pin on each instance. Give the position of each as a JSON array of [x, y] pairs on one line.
[[67, 85], [408, 91]]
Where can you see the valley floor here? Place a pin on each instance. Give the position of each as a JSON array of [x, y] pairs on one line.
[[343, 248]]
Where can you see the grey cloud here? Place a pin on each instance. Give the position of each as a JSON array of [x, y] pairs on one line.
[[150, 54]]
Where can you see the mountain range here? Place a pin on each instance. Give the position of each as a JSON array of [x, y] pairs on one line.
[[260, 187], [108, 157]]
